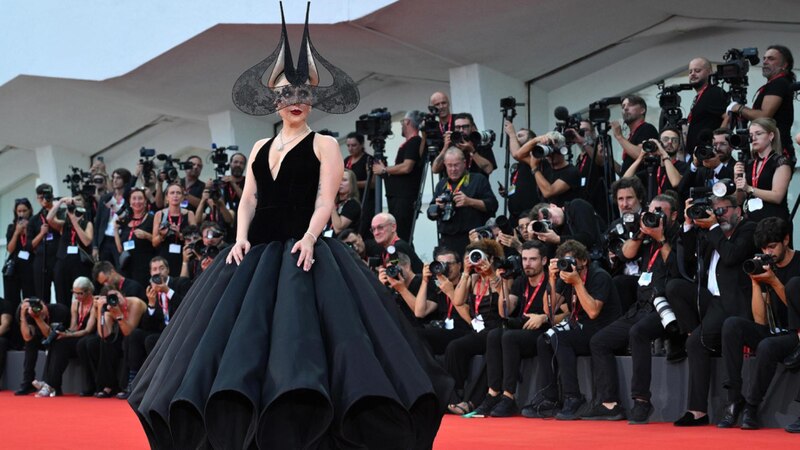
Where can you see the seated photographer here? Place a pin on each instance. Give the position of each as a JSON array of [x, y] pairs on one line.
[[117, 316], [403, 178], [213, 207], [555, 225], [386, 241], [168, 225], [629, 195], [707, 166], [769, 332], [104, 274], [481, 289], [35, 317], [663, 160], [347, 212], [73, 258], [763, 182], [589, 293], [723, 291], [522, 193], [62, 342], [352, 239], [461, 202], [18, 268], [556, 178], [8, 339], [479, 156], [442, 320], [398, 276], [133, 239], [506, 346], [199, 253], [642, 322], [634, 110]]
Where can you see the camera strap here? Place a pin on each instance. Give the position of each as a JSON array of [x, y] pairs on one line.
[[134, 223], [479, 296], [23, 239], [694, 102], [72, 234], [757, 176], [458, 186], [656, 251], [531, 297], [449, 306], [82, 313], [761, 89]]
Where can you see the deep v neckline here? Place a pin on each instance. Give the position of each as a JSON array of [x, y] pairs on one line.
[[286, 153]]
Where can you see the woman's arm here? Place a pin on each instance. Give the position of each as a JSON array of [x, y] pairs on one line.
[[52, 220], [780, 185], [156, 238], [84, 234]]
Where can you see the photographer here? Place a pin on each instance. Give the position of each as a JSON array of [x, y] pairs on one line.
[[35, 317], [386, 241], [103, 246], [359, 161], [18, 268], [557, 179], [465, 136], [589, 293], [708, 106], [441, 103], [234, 183], [723, 292], [522, 193], [641, 323], [347, 212], [768, 333], [352, 239], [629, 194], [168, 225], [117, 316], [506, 346], [403, 282], [444, 321], [592, 187], [774, 100], [554, 225], [763, 182], [212, 205], [634, 110], [403, 178], [721, 141], [461, 202], [133, 238], [666, 157], [484, 292], [192, 186], [707, 166], [198, 254], [105, 275], [73, 258], [63, 342], [44, 243]]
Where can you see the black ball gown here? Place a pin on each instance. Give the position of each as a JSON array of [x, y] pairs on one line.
[[267, 355]]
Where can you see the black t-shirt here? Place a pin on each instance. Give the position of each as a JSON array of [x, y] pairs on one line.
[[640, 134], [445, 308], [351, 209], [476, 186], [195, 190], [661, 178], [764, 179], [69, 238], [706, 114], [359, 168], [486, 306], [406, 186], [599, 285], [522, 190], [413, 287], [529, 300], [375, 250], [569, 174], [230, 196], [51, 239], [581, 224], [27, 247], [779, 310], [781, 87], [485, 152], [132, 288]]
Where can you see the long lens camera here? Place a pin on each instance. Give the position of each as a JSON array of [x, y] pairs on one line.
[[755, 265]]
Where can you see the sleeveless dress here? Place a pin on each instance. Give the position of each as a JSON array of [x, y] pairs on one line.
[[266, 355]]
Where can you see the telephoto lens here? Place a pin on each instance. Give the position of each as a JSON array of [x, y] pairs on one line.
[[755, 265], [541, 226]]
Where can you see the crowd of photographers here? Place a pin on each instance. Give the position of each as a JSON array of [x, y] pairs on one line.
[[682, 249]]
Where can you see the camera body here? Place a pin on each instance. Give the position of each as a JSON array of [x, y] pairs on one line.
[[36, 304], [80, 183], [512, 267], [566, 264], [755, 265], [439, 268], [112, 300], [446, 211], [156, 279], [654, 219], [599, 112], [376, 124], [541, 226], [701, 203], [124, 216], [55, 328]]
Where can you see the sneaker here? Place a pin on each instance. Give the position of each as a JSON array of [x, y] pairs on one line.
[[640, 412], [600, 412], [38, 385], [507, 407], [571, 407], [543, 409], [486, 407], [45, 391]]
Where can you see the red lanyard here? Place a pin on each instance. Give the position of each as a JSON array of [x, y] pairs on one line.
[[180, 219], [165, 306], [449, 125], [530, 298], [134, 224], [82, 313], [514, 178], [696, 99], [757, 176], [660, 179], [23, 239], [449, 306], [479, 297], [72, 234], [656, 251], [349, 164], [761, 89], [583, 158]]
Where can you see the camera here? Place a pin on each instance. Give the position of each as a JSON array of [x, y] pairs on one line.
[[55, 328], [755, 265], [512, 266], [599, 112], [566, 264], [124, 216], [543, 150], [508, 105], [156, 279], [670, 103], [734, 71], [567, 123], [220, 160], [701, 205], [445, 212], [485, 232], [434, 140], [80, 183], [376, 124], [649, 147], [165, 226], [393, 271], [210, 251], [439, 268], [112, 300], [36, 304], [704, 151], [168, 168], [564, 325], [146, 156], [740, 140], [541, 226], [665, 313], [653, 219], [476, 255]]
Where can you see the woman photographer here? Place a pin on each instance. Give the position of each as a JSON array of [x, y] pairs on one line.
[[212, 206], [64, 344], [482, 289], [763, 181], [73, 257], [132, 237], [347, 212], [168, 225], [18, 270]]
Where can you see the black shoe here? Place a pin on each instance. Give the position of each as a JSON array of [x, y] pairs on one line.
[[103, 394], [123, 395], [688, 420], [731, 417], [507, 407], [793, 360], [750, 417], [25, 390], [676, 349], [640, 413], [570, 409], [544, 409], [600, 412], [486, 406], [86, 394], [793, 427]]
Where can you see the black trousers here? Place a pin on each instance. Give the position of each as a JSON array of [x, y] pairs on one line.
[[627, 287], [504, 352], [19, 286], [108, 249], [566, 346], [134, 347], [64, 274], [438, 339], [43, 279], [402, 209], [459, 353], [150, 342], [638, 329], [100, 359], [5, 344], [31, 349], [58, 356]]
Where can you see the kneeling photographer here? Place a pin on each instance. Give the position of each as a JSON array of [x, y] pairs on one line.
[[397, 275], [35, 317], [555, 225], [593, 303]]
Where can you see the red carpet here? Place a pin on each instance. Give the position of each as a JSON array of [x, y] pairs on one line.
[[71, 422]]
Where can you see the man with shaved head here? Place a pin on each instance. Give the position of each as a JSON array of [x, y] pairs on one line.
[[441, 102], [708, 107]]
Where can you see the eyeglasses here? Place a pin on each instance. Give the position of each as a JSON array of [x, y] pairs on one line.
[[670, 139], [721, 210], [377, 228]]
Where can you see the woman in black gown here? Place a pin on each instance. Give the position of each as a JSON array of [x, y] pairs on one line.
[[292, 343]]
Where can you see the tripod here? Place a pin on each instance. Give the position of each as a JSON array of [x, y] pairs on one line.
[[608, 165], [432, 151]]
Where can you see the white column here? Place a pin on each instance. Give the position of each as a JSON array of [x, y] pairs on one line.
[[235, 128], [54, 165]]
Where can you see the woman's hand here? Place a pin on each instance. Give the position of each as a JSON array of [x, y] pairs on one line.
[[306, 248], [239, 249]]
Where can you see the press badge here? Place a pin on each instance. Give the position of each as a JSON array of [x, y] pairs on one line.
[[327, 233], [175, 248], [645, 278], [448, 324], [24, 255], [477, 323], [129, 245], [48, 237], [185, 204], [583, 181], [754, 204], [72, 250], [512, 189]]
